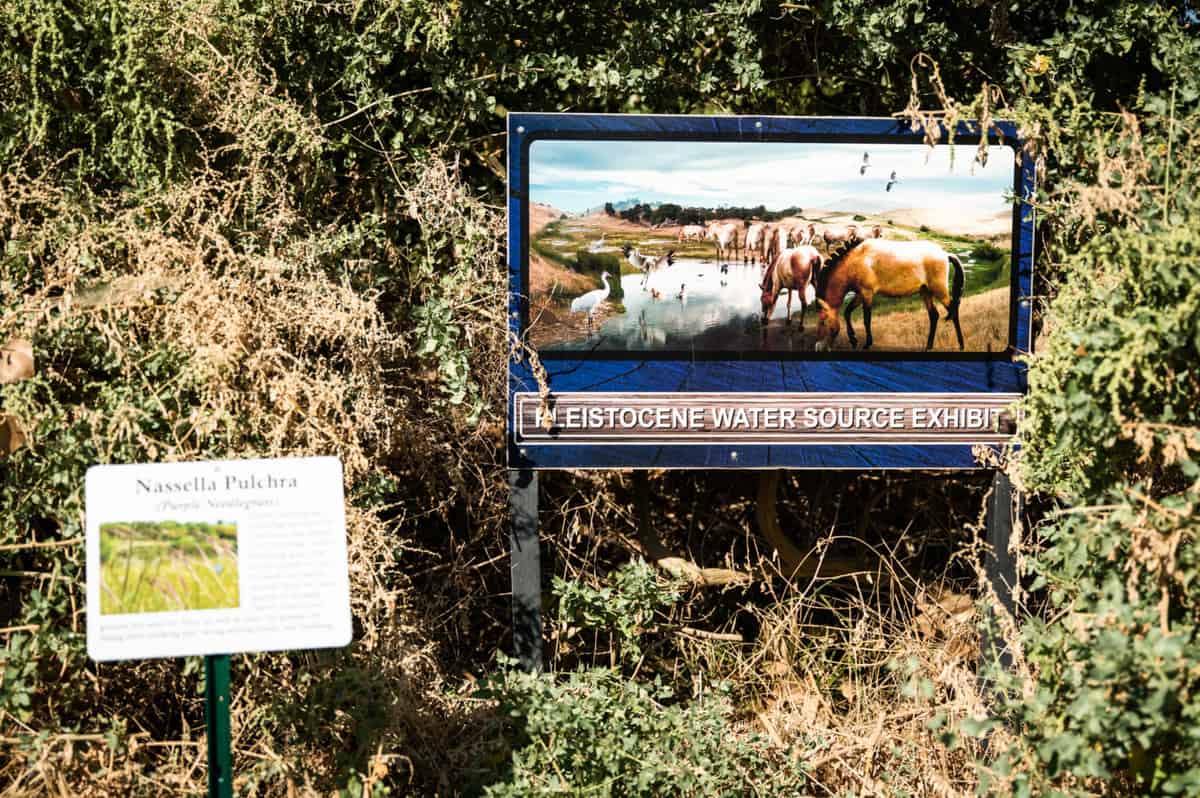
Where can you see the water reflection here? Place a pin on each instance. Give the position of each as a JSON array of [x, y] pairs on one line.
[[700, 305]]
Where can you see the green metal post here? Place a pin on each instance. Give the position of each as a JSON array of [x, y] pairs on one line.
[[216, 713]]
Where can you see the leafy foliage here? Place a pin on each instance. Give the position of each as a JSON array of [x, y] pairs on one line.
[[275, 228], [594, 732], [625, 607]]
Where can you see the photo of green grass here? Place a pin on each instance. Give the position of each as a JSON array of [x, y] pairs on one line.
[[165, 566]]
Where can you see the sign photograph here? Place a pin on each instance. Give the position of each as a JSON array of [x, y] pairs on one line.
[[722, 246], [764, 291], [216, 558]]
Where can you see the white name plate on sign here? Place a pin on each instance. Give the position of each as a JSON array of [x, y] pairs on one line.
[[218, 557]]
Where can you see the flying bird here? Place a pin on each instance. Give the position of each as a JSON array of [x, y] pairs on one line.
[[893, 180], [591, 300], [647, 263], [681, 295], [862, 170]]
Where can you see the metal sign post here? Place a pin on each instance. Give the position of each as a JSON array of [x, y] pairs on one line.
[[526, 568], [1000, 564], [216, 715]]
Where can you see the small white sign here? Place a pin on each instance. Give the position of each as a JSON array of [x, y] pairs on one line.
[[216, 557]]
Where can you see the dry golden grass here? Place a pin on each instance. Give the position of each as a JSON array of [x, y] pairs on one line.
[[855, 674], [984, 319], [285, 357], [544, 274], [857, 691], [540, 216]]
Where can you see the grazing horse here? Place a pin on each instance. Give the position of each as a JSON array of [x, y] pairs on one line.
[[794, 270], [725, 235], [691, 232], [777, 242], [752, 246], [883, 267]]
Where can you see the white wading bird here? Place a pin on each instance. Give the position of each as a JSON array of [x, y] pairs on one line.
[[596, 246], [647, 263], [591, 300]]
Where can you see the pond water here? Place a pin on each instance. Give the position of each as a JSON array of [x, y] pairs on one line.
[[716, 312]]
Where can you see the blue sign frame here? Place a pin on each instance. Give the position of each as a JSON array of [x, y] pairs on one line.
[[872, 372]]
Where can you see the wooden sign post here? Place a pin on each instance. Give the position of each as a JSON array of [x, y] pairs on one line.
[[762, 292]]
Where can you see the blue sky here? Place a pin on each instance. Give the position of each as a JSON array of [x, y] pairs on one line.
[[576, 175]]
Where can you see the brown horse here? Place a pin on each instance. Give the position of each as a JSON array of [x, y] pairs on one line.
[[794, 270], [881, 266]]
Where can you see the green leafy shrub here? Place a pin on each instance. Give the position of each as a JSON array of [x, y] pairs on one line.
[[624, 607], [987, 251], [1112, 425], [1107, 657], [597, 733], [594, 263]]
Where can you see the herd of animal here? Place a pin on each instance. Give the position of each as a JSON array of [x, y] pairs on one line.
[[761, 242], [837, 269]]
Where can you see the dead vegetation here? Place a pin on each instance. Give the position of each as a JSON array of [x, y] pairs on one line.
[[842, 648], [848, 629], [217, 349]]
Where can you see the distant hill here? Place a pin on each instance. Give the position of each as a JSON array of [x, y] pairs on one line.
[[541, 214]]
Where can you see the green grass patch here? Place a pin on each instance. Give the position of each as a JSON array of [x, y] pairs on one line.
[[167, 566]]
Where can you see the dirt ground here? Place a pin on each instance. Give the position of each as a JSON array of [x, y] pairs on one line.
[[553, 322]]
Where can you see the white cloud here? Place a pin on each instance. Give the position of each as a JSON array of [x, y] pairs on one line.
[[777, 175]]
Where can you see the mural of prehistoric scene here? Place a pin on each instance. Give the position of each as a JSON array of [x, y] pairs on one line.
[[163, 566], [709, 246]]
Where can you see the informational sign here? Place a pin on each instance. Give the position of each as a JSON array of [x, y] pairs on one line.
[[764, 292], [216, 557]]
